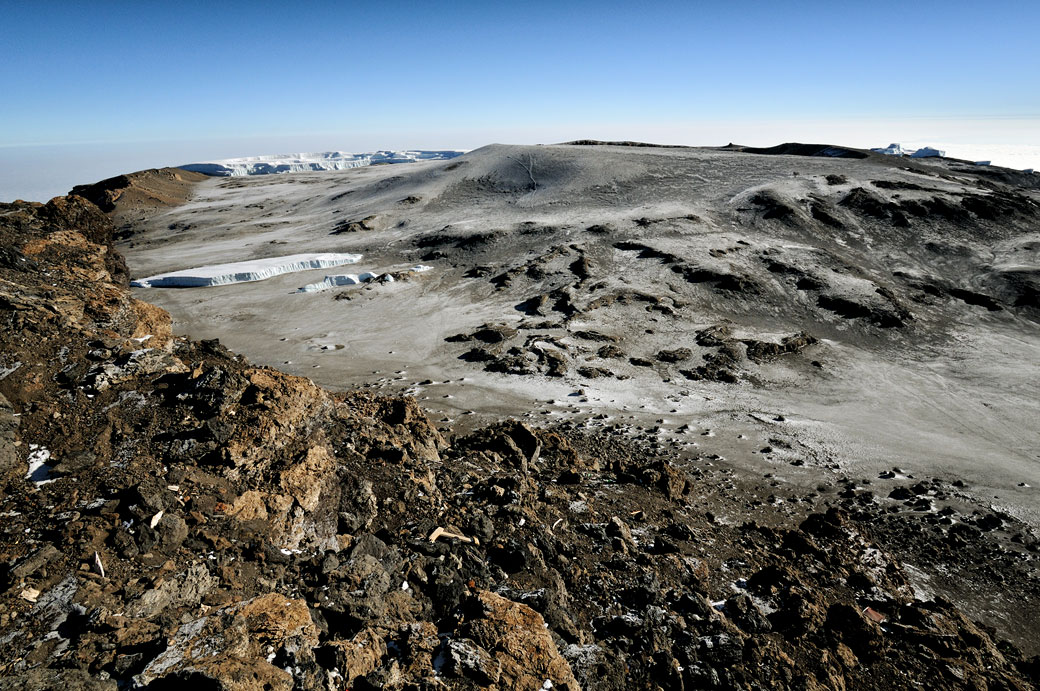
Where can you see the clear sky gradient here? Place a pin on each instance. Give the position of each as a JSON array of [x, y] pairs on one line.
[[165, 83]]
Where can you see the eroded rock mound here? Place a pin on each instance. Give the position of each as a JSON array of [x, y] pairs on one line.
[[154, 188]]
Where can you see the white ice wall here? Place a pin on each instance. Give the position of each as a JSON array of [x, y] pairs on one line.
[[242, 272], [328, 160]]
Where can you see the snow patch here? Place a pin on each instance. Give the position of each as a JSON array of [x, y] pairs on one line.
[[39, 472], [243, 272], [327, 160]]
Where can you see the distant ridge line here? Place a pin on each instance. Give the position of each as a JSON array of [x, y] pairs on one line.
[[596, 142], [797, 149], [790, 149]]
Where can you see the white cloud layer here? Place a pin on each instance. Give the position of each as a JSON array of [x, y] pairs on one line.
[[41, 172]]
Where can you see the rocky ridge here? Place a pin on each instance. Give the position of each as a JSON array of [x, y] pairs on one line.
[[188, 517]]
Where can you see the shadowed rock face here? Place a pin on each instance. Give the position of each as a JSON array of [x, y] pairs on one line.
[[198, 519]]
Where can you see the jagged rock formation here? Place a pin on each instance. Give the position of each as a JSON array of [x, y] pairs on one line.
[[200, 520]]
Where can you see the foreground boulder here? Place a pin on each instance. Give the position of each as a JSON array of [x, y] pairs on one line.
[[235, 647], [508, 644]]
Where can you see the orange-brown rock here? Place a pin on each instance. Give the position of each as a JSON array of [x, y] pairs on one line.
[[360, 655], [520, 653], [233, 645]]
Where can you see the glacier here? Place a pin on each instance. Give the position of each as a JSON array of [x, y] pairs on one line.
[[355, 279], [928, 152], [338, 280], [897, 150], [328, 160], [890, 150], [245, 271]]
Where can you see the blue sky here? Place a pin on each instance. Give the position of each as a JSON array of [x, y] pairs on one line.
[[217, 79]]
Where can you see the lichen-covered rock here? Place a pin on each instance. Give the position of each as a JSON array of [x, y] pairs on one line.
[[236, 647], [9, 460], [274, 409], [183, 590], [48, 678], [510, 646], [359, 656]]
